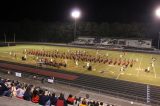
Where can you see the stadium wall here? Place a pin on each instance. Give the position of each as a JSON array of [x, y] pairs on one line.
[[2, 44]]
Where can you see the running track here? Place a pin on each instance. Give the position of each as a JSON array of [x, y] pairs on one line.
[[20, 68]]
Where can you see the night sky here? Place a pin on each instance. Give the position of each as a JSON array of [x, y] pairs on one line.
[[124, 11]]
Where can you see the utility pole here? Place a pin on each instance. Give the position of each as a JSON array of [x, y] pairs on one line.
[[158, 39], [14, 37], [75, 29], [75, 14], [4, 37]]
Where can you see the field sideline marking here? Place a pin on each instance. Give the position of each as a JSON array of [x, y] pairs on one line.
[[118, 75], [139, 65], [120, 72], [155, 75], [154, 72]]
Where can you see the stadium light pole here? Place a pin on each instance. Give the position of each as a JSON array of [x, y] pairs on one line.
[[14, 37], [4, 37], [75, 14], [157, 13]]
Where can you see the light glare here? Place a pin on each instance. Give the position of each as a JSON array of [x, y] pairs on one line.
[[75, 14], [158, 12]]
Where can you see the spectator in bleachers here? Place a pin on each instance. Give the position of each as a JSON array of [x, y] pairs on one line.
[[20, 92], [101, 104], [16, 83], [3, 89], [27, 94], [53, 99], [83, 103], [70, 99], [44, 98], [87, 99], [6, 88], [41, 96], [76, 100], [35, 96], [97, 104], [48, 96], [32, 88], [13, 90], [0, 80], [92, 103], [61, 101]]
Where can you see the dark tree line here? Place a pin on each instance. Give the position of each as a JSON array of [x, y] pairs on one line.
[[28, 30]]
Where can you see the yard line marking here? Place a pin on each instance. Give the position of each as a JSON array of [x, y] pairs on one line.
[[139, 65], [118, 75], [123, 73], [155, 75]]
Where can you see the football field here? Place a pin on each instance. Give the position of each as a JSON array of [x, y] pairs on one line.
[[128, 66]]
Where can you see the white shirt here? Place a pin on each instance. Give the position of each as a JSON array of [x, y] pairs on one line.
[[87, 64], [20, 92], [76, 63]]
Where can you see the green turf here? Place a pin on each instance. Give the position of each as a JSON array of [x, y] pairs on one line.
[[134, 74]]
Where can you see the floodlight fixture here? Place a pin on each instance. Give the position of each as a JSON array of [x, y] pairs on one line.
[[76, 13], [157, 12]]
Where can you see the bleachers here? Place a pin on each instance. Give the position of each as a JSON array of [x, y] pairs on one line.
[[84, 41], [104, 41], [115, 42], [14, 100]]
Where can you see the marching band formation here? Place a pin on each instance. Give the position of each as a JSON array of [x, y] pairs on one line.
[[49, 58]]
